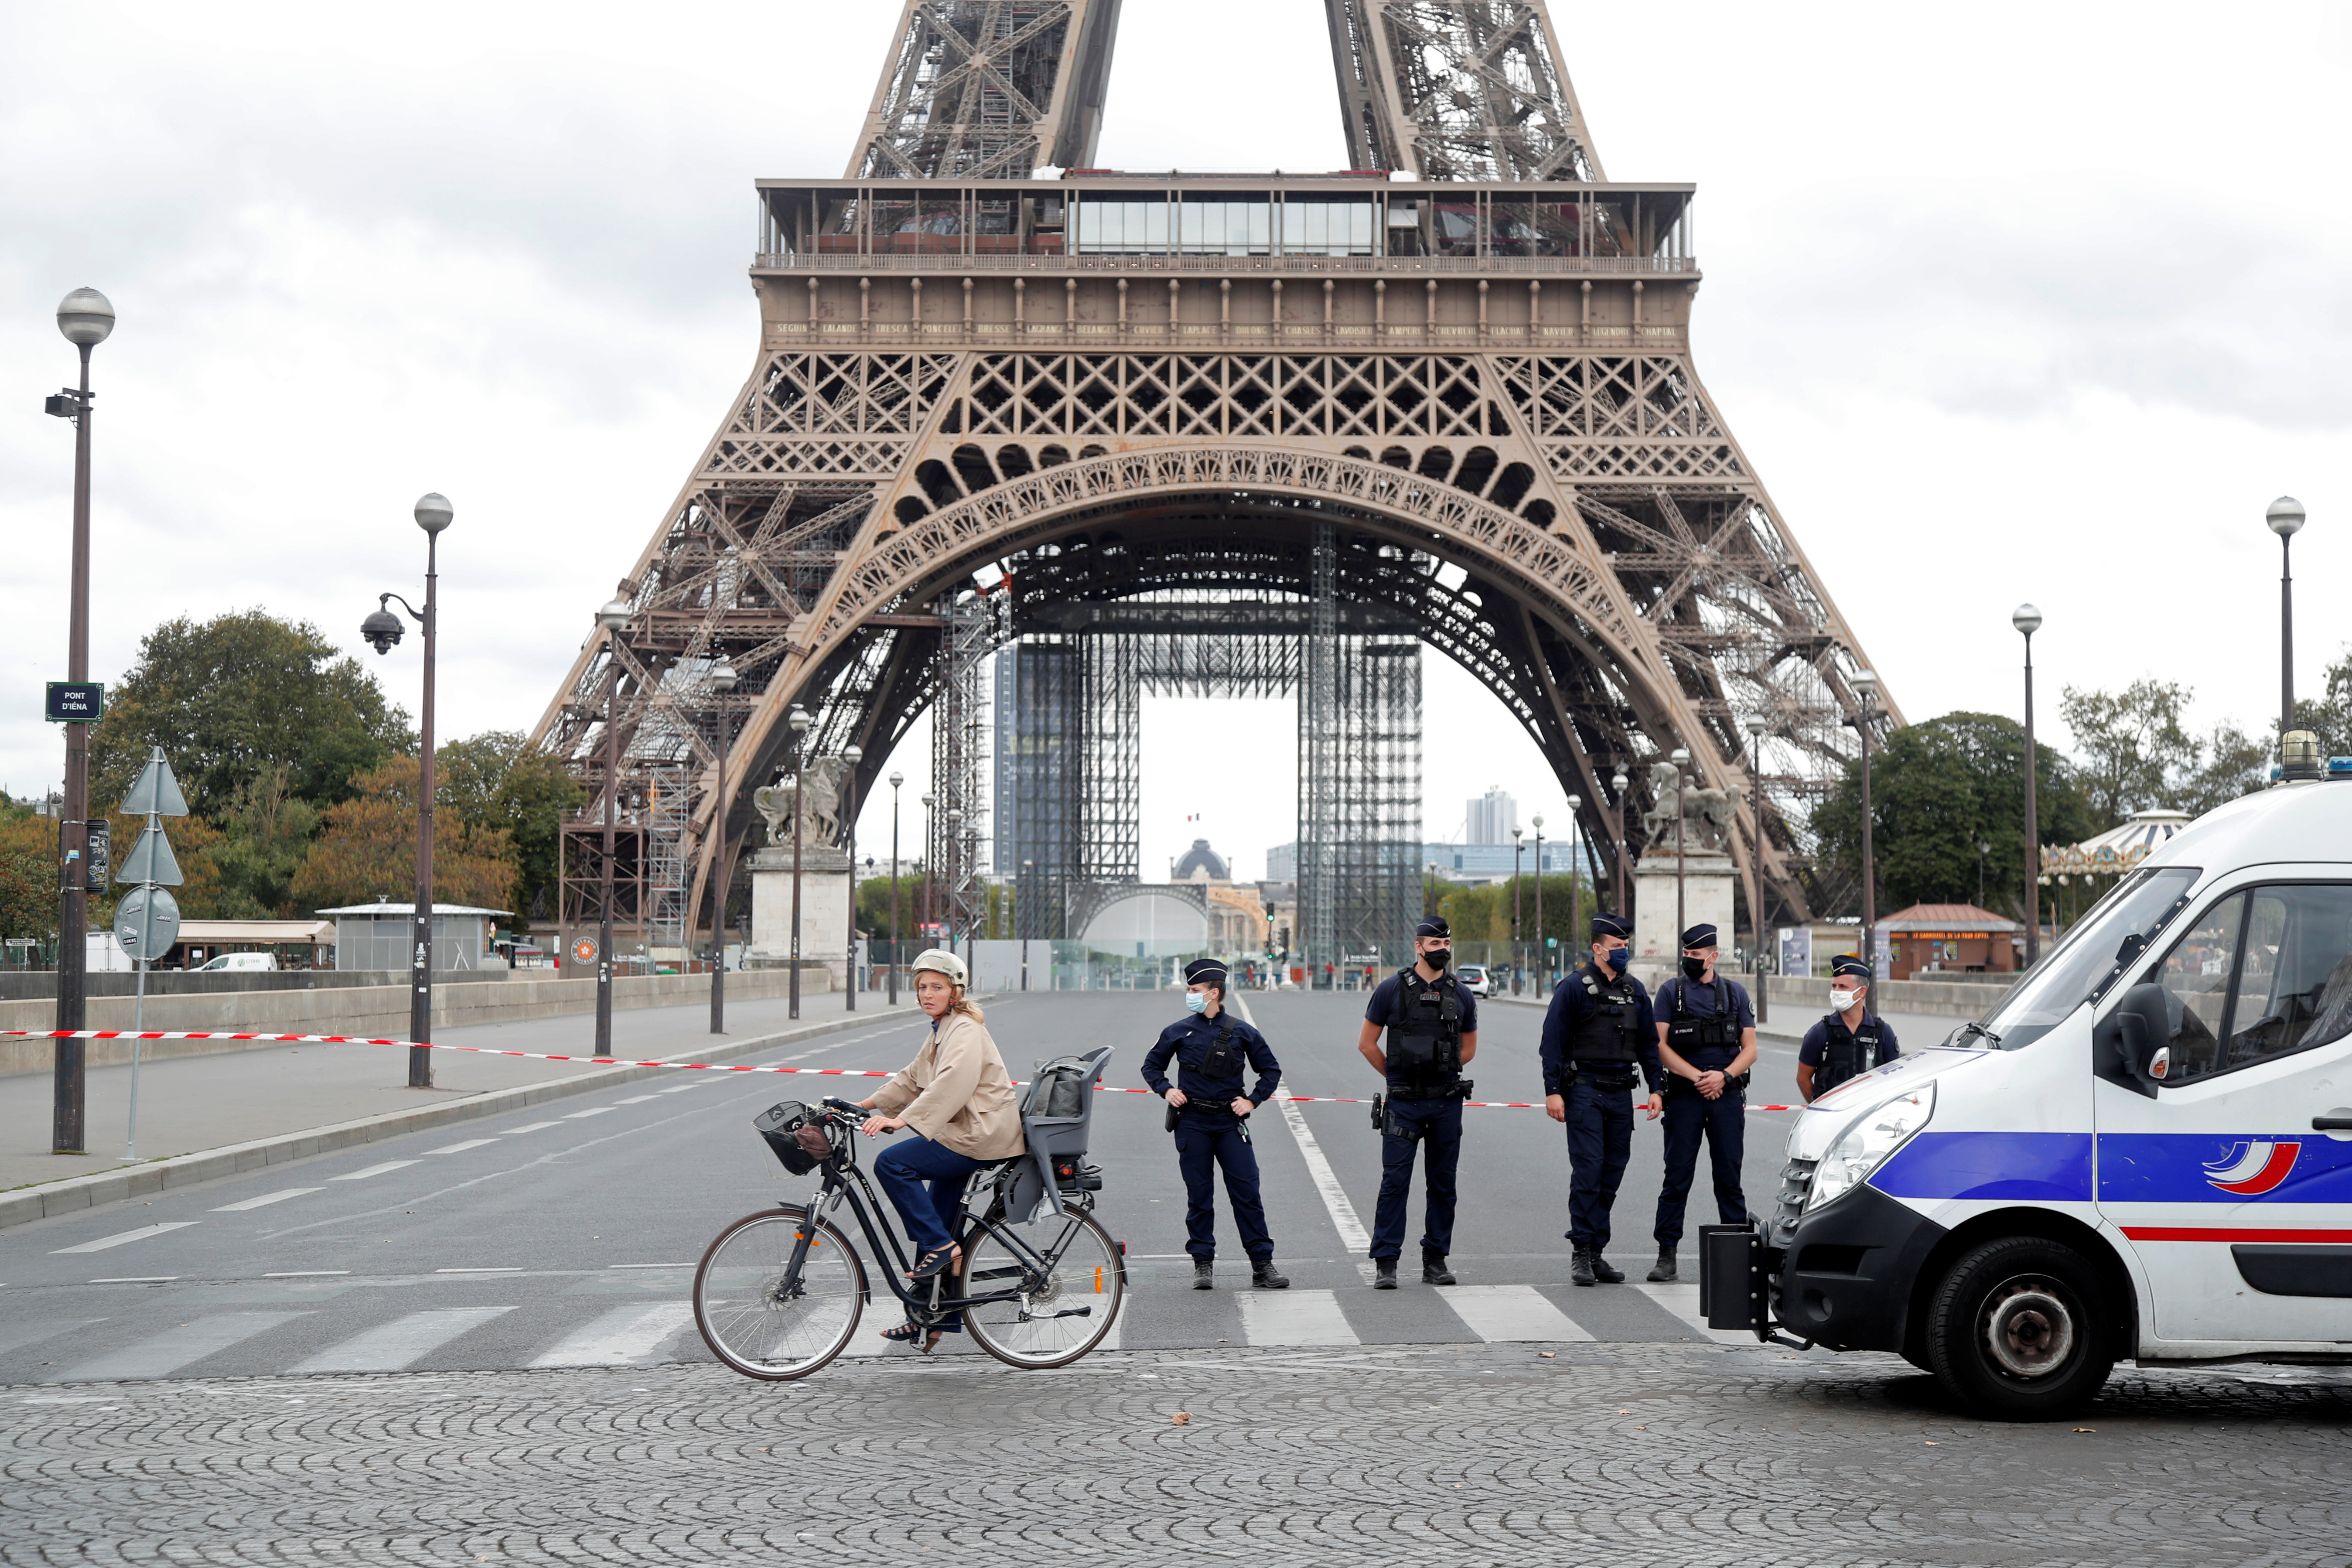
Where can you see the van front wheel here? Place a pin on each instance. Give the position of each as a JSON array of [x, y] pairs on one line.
[[2017, 1330]]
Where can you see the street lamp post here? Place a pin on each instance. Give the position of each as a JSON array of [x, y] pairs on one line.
[[2028, 620], [1617, 784], [923, 900], [85, 318], [610, 620], [1681, 759], [1543, 946], [896, 780], [723, 679], [1984, 847], [1866, 684], [2285, 518], [799, 719], [1575, 894], [383, 629], [1756, 728], [1518, 955], [1020, 916], [954, 872], [851, 756]]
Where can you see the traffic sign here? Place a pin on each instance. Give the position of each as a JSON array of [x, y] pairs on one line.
[[147, 923], [149, 860], [156, 793], [76, 702]]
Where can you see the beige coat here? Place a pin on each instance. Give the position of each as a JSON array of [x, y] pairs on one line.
[[957, 1093]]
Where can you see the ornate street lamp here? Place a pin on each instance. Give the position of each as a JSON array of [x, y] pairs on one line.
[[851, 756], [1681, 759], [610, 620], [1518, 955], [723, 679], [896, 780], [1756, 726], [1618, 784], [1543, 947], [1866, 685], [2285, 518], [800, 721], [2028, 620], [1575, 896]]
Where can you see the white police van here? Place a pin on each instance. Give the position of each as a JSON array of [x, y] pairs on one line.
[[2143, 1151]]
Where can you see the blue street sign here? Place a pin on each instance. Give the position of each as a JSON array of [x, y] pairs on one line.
[[76, 702]]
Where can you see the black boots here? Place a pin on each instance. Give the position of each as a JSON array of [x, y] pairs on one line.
[[1384, 1276], [1664, 1273], [1263, 1276], [1606, 1274], [1579, 1268], [1432, 1268], [1204, 1274]]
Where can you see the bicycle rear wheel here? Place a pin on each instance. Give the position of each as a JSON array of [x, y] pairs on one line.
[[1069, 1308], [747, 1316]]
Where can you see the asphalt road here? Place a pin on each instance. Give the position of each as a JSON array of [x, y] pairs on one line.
[[565, 1235]]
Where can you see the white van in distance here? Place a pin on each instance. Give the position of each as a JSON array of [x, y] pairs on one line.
[[2143, 1151]]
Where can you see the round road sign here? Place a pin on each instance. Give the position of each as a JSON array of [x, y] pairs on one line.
[[584, 950], [146, 933]]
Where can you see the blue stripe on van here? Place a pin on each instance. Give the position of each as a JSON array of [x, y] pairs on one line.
[[2048, 1167]]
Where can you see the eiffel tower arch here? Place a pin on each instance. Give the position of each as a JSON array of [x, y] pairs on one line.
[[1452, 386]]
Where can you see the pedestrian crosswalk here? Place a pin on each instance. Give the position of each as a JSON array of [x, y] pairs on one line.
[[500, 1320]]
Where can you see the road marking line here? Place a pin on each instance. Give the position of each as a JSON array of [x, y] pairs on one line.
[[592, 1110], [167, 1352], [139, 1279], [682, 1087], [119, 1237], [649, 1266], [391, 1346], [513, 1269], [1353, 1235], [1510, 1313], [265, 1199], [1681, 1298], [461, 1148], [307, 1274], [22, 1334], [621, 1337], [534, 1127], [372, 1170], [634, 1100], [1293, 1318]]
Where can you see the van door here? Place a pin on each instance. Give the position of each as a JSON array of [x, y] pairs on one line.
[[2240, 1210]]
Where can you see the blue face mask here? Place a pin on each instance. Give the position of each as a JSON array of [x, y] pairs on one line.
[[1619, 957], [1195, 1001]]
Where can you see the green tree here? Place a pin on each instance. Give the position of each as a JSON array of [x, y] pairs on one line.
[[874, 905], [368, 849], [1938, 790], [498, 782], [264, 837], [2231, 763], [2131, 751], [231, 698]]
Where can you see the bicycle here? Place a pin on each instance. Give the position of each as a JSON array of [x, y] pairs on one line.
[[779, 1292]]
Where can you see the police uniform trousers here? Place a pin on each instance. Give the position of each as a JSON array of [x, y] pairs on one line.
[[1599, 1140], [1207, 1141], [1435, 1124], [1724, 1122]]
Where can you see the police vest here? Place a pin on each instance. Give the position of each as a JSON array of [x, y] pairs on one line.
[[1426, 1040], [1608, 1033], [1846, 1053], [1220, 1065], [1689, 1032]]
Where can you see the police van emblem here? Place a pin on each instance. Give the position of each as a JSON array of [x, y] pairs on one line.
[[2252, 1168]]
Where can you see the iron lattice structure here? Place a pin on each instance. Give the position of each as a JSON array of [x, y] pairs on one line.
[[989, 89], [1477, 392]]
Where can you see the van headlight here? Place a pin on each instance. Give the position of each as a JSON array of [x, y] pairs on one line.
[[1867, 1141]]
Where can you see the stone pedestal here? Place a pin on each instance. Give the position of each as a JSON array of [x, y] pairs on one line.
[[1707, 882], [824, 909]]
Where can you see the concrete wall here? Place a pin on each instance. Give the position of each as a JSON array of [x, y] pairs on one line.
[[368, 1012], [26, 985], [1939, 998]]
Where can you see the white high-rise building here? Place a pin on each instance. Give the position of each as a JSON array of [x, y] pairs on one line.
[[1492, 818]]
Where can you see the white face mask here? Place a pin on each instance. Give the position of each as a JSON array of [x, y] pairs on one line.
[[1841, 1001]]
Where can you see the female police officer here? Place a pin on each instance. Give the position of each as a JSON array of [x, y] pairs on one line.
[[1209, 1116]]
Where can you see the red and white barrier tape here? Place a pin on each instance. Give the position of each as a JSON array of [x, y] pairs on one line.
[[621, 1061]]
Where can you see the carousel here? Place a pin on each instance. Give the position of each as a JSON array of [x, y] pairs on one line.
[[2111, 853]]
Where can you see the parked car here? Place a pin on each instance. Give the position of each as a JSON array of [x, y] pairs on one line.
[[1474, 976], [246, 962]]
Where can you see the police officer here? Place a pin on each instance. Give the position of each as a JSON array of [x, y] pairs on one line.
[[1209, 1116], [1432, 1032], [1849, 1042], [1706, 1038], [1596, 1030]]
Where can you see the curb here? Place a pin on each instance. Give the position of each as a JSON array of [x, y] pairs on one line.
[[26, 1204]]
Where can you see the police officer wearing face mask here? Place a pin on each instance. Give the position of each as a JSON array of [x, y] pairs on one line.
[[1849, 1042], [1432, 1032], [1707, 1037], [1598, 1030], [1209, 1116]]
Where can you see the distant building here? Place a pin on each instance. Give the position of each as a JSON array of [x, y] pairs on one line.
[[1200, 863], [1491, 818], [1493, 862], [1281, 863]]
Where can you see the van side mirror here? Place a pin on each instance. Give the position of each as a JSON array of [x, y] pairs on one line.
[[2134, 1040]]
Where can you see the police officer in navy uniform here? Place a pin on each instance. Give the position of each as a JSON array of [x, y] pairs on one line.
[[1849, 1041], [1706, 1038], [1598, 1030], [1432, 1032], [1210, 1114]]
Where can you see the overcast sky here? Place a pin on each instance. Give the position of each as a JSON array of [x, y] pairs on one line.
[[2005, 302]]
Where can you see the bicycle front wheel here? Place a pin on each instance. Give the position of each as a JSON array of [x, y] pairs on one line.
[[1071, 1282], [748, 1316]]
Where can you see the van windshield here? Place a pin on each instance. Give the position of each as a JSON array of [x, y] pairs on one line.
[[2087, 961]]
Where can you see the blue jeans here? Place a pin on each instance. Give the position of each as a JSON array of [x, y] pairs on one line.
[[904, 1169], [1438, 1123], [1599, 1140]]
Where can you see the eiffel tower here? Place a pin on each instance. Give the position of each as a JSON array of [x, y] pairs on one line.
[[1448, 390]]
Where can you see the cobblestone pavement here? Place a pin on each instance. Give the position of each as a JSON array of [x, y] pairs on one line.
[[1441, 1454]]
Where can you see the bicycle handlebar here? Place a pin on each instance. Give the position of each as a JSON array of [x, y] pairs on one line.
[[849, 1107]]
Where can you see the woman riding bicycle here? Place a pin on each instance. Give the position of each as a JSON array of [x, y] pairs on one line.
[[959, 1099]]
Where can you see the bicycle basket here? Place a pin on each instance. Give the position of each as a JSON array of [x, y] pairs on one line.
[[796, 1135]]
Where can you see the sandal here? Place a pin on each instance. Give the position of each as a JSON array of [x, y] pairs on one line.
[[938, 1260], [906, 1333]]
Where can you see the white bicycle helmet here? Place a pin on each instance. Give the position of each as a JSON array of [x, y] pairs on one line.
[[941, 960]]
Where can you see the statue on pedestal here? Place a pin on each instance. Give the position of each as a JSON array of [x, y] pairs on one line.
[[1707, 815], [820, 802]]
